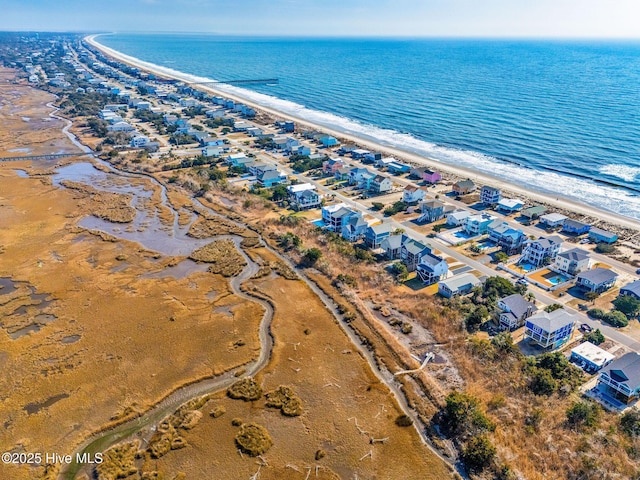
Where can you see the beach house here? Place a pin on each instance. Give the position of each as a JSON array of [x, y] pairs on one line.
[[619, 382], [417, 172], [397, 168], [431, 211], [432, 268], [532, 213], [575, 227], [431, 177], [541, 251], [303, 196], [353, 229], [334, 216], [572, 261], [329, 141], [120, 127], [270, 177], [599, 235], [550, 330], [590, 357], [463, 187], [330, 166], [514, 310], [509, 205], [380, 184], [359, 153], [392, 246], [490, 195], [239, 160], [510, 239], [211, 151], [632, 289], [458, 285], [139, 141], [412, 194], [552, 220], [356, 174], [412, 252], [375, 234], [457, 217], [597, 280], [478, 224]]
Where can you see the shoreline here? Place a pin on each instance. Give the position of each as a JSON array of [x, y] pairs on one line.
[[597, 215]]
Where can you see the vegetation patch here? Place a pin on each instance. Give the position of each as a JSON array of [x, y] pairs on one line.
[[253, 439], [223, 257], [217, 411], [112, 207], [246, 389], [118, 462], [214, 226], [286, 400]]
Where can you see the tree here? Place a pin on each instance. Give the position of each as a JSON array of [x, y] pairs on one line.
[[591, 296], [501, 257], [583, 414], [630, 423], [479, 453], [278, 193], [312, 255], [377, 206], [462, 416], [543, 383], [476, 317], [605, 248], [289, 240], [401, 271], [498, 287], [628, 305], [595, 337]]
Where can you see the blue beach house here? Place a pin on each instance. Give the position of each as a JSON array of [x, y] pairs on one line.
[[329, 141], [598, 235], [550, 330], [575, 227]]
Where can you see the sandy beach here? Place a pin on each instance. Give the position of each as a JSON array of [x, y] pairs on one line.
[[602, 217]]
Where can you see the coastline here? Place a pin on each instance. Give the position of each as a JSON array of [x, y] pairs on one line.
[[597, 215]]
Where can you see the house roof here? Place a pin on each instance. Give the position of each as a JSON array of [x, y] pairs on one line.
[[546, 242], [381, 228], [460, 214], [431, 204], [464, 184], [510, 203], [537, 210], [307, 194], [570, 222], [633, 287], [625, 370], [393, 242], [458, 281], [300, 187], [593, 353], [517, 304], [601, 232], [575, 254], [430, 260], [553, 217], [379, 179], [414, 247], [552, 321], [356, 220], [341, 212], [411, 188], [598, 275]]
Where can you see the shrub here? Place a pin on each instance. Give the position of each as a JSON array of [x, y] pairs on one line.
[[404, 421], [246, 389], [553, 307], [286, 400], [595, 337], [597, 313], [583, 414], [406, 328], [630, 423], [628, 305], [605, 248], [312, 255], [615, 319], [498, 287], [479, 453], [217, 411], [253, 439], [462, 415], [476, 317], [543, 383], [377, 206], [347, 280]]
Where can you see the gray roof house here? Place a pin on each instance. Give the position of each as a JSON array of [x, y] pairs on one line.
[[412, 252], [619, 382], [632, 289], [572, 261], [597, 280], [392, 246], [432, 268], [457, 285], [550, 330], [514, 311]]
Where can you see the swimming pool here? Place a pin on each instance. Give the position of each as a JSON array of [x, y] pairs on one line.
[[318, 223], [526, 267], [556, 278]]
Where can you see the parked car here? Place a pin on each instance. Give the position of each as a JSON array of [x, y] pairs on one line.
[[586, 328]]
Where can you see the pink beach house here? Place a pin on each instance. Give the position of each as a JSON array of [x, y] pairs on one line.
[[430, 176]]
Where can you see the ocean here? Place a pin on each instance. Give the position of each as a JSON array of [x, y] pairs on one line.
[[558, 117]]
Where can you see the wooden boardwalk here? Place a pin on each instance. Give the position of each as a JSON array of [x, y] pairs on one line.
[[52, 156]]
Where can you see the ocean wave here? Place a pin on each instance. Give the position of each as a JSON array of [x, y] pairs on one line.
[[551, 182], [625, 172]]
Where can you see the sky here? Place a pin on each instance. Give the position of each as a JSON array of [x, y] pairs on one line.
[[428, 18]]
